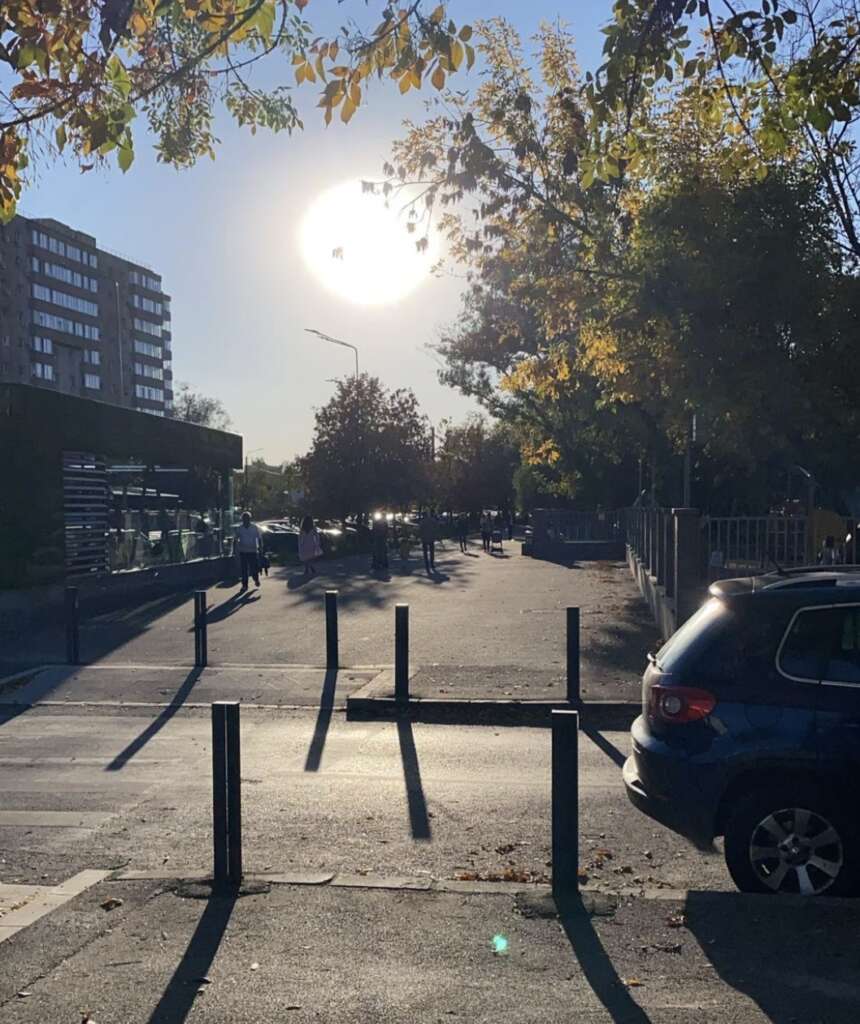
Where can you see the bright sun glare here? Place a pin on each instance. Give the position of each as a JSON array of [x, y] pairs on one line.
[[360, 250]]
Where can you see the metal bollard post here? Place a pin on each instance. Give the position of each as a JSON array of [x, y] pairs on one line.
[[401, 653], [573, 695], [226, 794], [73, 623], [234, 796], [565, 803], [201, 639], [219, 792], [331, 638]]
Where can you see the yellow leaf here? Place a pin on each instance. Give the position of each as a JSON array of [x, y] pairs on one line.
[[415, 75], [470, 56], [355, 94], [137, 24], [347, 110], [456, 54], [405, 82], [438, 77], [437, 16], [466, 33]]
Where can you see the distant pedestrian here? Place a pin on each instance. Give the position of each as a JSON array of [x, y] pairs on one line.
[[510, 519], [428, 541], [463, 531], [310, 546], [486, 530], [829, 554], [248, 543]]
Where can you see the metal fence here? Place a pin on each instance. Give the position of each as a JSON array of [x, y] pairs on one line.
[[749, 545]]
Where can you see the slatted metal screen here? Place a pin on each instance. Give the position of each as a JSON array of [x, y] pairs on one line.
[[85, 506]]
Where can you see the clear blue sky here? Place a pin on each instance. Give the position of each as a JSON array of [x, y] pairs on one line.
[[223, 235]]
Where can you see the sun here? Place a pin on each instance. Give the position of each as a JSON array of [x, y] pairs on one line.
[[361, 250]]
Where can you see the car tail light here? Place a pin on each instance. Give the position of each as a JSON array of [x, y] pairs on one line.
[[675, 705]]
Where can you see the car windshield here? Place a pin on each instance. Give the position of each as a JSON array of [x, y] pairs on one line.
[[695, 632]]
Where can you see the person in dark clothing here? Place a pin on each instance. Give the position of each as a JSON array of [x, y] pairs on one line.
[[428, 541], [380, 544], [463, 531]]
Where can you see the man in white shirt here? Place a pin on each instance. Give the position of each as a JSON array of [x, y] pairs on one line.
[[248, 543]]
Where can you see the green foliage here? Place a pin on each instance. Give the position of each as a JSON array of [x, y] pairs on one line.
[[371, 449], [261, 488], [194, 407], [79, 73], [475, 465]]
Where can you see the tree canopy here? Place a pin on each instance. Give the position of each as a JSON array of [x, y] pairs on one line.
[[371, 449], [81, 72], [603, 311], [195, 407]]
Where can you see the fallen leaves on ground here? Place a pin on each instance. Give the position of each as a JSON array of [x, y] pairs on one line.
[[511, 874], [111, 903], [676, 921], [633, 983]]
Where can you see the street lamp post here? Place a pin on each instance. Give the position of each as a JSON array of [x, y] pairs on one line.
[[336, 341]]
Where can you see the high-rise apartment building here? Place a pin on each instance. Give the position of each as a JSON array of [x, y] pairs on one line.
[[82, 320]]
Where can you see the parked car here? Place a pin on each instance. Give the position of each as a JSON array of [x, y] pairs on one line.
[[750, 729]]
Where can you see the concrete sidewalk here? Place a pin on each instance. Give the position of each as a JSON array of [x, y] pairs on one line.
[[348, 955]]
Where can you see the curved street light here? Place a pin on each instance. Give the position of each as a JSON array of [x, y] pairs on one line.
[[336, 341]]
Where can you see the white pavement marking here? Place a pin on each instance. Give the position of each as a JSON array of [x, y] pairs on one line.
[[23, 905]]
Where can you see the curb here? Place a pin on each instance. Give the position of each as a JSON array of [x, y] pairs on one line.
[[599, 714]]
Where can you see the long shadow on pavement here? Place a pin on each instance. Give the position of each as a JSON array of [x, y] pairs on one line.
[[596, 964], [139, 742], [180, 995], [419, 820], [608, 748], [315, 750], [796, 958]]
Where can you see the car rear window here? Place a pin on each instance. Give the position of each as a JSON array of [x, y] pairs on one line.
[[697, 633], [804, 650]]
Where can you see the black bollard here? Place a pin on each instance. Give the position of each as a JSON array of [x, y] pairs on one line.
[[331, 639], [201, 639], [226, 795], [401, 653], [565, 803], [573, 655], [73, 624]]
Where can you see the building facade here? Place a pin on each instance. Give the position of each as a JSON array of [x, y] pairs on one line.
[[82, 320]]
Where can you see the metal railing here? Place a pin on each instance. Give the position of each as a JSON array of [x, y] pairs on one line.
[[749, 545]]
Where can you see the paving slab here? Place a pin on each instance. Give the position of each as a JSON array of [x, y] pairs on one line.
[[350, 955]]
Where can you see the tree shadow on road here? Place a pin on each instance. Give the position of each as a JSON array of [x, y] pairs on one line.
[[179, 997], [623, 645], [795, 957], [154, 727], [595, 962]]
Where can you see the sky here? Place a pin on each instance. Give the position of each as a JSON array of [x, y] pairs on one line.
[[226, 236]]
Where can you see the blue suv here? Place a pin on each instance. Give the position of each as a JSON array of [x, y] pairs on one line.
[[750, 729]]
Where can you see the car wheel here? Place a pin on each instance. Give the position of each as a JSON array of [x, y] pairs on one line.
[[791, 840]]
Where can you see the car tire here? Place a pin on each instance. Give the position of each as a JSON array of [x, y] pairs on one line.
[[792, 839]]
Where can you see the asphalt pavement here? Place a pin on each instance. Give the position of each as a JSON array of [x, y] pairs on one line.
[[490, 625]]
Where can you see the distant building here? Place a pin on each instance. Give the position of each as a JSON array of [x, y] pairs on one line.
[[82, 320]]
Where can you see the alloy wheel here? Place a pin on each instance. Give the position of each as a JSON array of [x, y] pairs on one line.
[[796, 850]]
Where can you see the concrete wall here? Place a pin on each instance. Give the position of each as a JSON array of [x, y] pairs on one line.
[[662, 607]]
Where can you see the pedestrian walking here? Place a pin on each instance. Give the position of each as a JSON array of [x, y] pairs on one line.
[[379, 542], [463, 531], [310, 546], [486, 530], [248, 543], [428, 541]]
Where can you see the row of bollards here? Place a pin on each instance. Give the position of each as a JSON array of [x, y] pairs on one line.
[[227, 799], [332, 655]]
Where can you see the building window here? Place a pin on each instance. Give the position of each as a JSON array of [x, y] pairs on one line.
[[65, 300], [147, 305], [147, 328], [71, 252], [146, 370], [153, 394], [41, 344], [92, 381], [145, 281], [92, 356], [43, 371], [34, 264], [61, 273], [145, 348], [41, 292], [66, 326]]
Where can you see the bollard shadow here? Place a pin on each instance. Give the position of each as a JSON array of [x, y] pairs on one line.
[[595, 962], [220, 612], [315, 750], [419, 820], [608, 748], [154, 727], [178, 998]]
